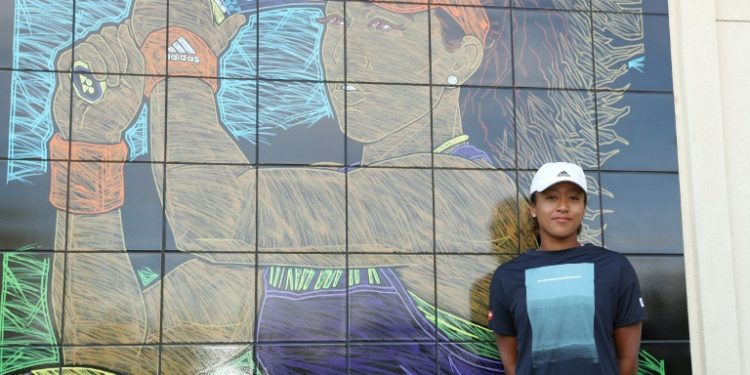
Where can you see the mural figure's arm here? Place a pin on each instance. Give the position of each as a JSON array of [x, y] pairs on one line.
[[210, 207], [88, 191], [106, 98]]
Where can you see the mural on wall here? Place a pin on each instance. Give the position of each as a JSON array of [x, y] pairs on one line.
[[370, 253]]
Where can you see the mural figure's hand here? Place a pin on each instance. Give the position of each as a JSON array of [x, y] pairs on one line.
[[148, 16], [206, 21], [107, 86]]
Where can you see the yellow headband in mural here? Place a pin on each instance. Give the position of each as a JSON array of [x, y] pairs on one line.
[[470, 16]]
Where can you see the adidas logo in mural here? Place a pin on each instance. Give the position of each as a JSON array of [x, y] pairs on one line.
[[181, 50]]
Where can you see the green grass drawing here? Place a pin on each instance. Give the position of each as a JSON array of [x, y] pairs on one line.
[[27, 338]]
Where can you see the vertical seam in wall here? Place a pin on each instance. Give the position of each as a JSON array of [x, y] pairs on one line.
[[165, 154], [432, 187], [66, 235], [256, 266], [516, 141], [595, 93], [347, 312]]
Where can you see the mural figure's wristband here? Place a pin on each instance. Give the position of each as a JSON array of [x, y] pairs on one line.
[[96, 183], [188, 55]]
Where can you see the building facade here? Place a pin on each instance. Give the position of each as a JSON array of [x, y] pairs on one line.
[[276, 187]]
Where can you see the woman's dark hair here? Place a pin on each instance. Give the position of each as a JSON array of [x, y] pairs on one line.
[[495, 69], [486, 114]]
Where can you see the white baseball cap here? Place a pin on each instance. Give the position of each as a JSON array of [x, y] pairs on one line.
[[553, 173]]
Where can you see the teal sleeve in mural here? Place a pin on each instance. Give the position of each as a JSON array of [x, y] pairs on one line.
[[137, 135], [290, 55], [560, 302]]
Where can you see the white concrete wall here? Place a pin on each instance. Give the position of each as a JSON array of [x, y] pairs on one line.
[[734, 69], [711, 68]]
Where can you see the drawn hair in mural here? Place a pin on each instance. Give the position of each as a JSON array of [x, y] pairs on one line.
[[560, 122]]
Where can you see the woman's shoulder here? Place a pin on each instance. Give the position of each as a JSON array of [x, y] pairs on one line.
[[604, 251], [519, 263], [606, 256]]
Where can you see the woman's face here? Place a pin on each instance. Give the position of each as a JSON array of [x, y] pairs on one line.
[[382, 46], [559, 211]]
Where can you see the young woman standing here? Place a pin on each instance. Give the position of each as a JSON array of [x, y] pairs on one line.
[[565, 308]]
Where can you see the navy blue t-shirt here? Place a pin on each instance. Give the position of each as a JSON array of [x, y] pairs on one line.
[[562, 307]]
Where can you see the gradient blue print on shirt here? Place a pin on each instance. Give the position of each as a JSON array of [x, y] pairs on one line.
[[560, 303]]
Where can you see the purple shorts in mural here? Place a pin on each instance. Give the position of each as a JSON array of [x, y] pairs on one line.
[[388, 333]]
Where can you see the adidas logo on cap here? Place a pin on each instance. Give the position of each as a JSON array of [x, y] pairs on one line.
[[553, 173], [181, 50]]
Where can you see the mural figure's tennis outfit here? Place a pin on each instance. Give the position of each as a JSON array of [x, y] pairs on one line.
[[381, 313], [562, 307]]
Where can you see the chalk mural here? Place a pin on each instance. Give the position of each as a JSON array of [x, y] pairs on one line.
[[330, 183]]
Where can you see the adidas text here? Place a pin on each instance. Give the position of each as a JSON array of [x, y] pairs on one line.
[[184, 57]]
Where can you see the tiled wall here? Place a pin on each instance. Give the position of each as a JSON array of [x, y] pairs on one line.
[[317, 187]]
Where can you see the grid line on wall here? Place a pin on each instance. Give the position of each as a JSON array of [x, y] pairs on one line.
[[256, 268], [164, 192], [662, 253], [66, 214], [596, 124], [377, 342], [432, 192], [347, 305], [374, 83], [363, 167], [329, 167], [519, 223]]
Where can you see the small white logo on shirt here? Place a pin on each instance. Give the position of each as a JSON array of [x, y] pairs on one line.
[[561, 278], [641, 301]]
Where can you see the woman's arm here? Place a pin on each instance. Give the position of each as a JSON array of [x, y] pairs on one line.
[[508, 352], [627, 342]]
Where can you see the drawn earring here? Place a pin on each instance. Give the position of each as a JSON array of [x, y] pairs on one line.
[[452, 80]]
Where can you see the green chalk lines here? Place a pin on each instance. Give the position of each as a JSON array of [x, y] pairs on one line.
[[301, 279], [481, 341], [27, 338]]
